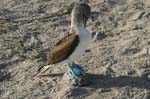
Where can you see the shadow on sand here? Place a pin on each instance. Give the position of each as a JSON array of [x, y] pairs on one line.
[[107, 81]]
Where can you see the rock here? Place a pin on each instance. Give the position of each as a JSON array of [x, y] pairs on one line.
[[147, 96], [148, 76], [146, 3], [137, 15]]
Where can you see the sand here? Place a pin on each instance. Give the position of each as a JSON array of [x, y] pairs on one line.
[[117, 59]]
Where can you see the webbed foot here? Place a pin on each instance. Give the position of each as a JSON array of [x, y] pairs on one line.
[[76, 75]]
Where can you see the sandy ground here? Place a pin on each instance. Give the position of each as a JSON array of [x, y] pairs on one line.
[[117, 60]]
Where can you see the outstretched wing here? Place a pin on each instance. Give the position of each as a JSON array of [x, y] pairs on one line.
[[63, 49]]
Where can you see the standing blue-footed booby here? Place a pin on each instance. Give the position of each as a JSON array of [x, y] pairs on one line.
[[74, 44]]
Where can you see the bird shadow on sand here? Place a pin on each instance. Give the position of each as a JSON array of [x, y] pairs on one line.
[[97, 81], [107, 81]]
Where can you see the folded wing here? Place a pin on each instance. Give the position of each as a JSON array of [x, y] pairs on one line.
[[63, 49]]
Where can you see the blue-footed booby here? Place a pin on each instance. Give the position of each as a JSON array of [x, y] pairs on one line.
[[74, 44]]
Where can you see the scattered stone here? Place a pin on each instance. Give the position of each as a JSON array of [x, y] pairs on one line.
[[147, 96], [137, 15], [131, 72], [87, 50], [146, 3], [148, 76], [103, 90]]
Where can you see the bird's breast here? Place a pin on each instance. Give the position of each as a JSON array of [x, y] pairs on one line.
[[84, 41]]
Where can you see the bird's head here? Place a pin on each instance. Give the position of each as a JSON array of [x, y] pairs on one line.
[[80, 13]]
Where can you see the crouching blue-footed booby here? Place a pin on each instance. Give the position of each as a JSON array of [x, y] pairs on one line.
[[74, 44]]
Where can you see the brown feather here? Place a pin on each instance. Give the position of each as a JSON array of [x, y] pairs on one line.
[[63, 49]]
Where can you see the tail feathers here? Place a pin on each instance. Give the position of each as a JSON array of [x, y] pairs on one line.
[[42, 70]]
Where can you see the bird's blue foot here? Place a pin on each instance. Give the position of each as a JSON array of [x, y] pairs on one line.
[[76, 70], [75, 75]]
